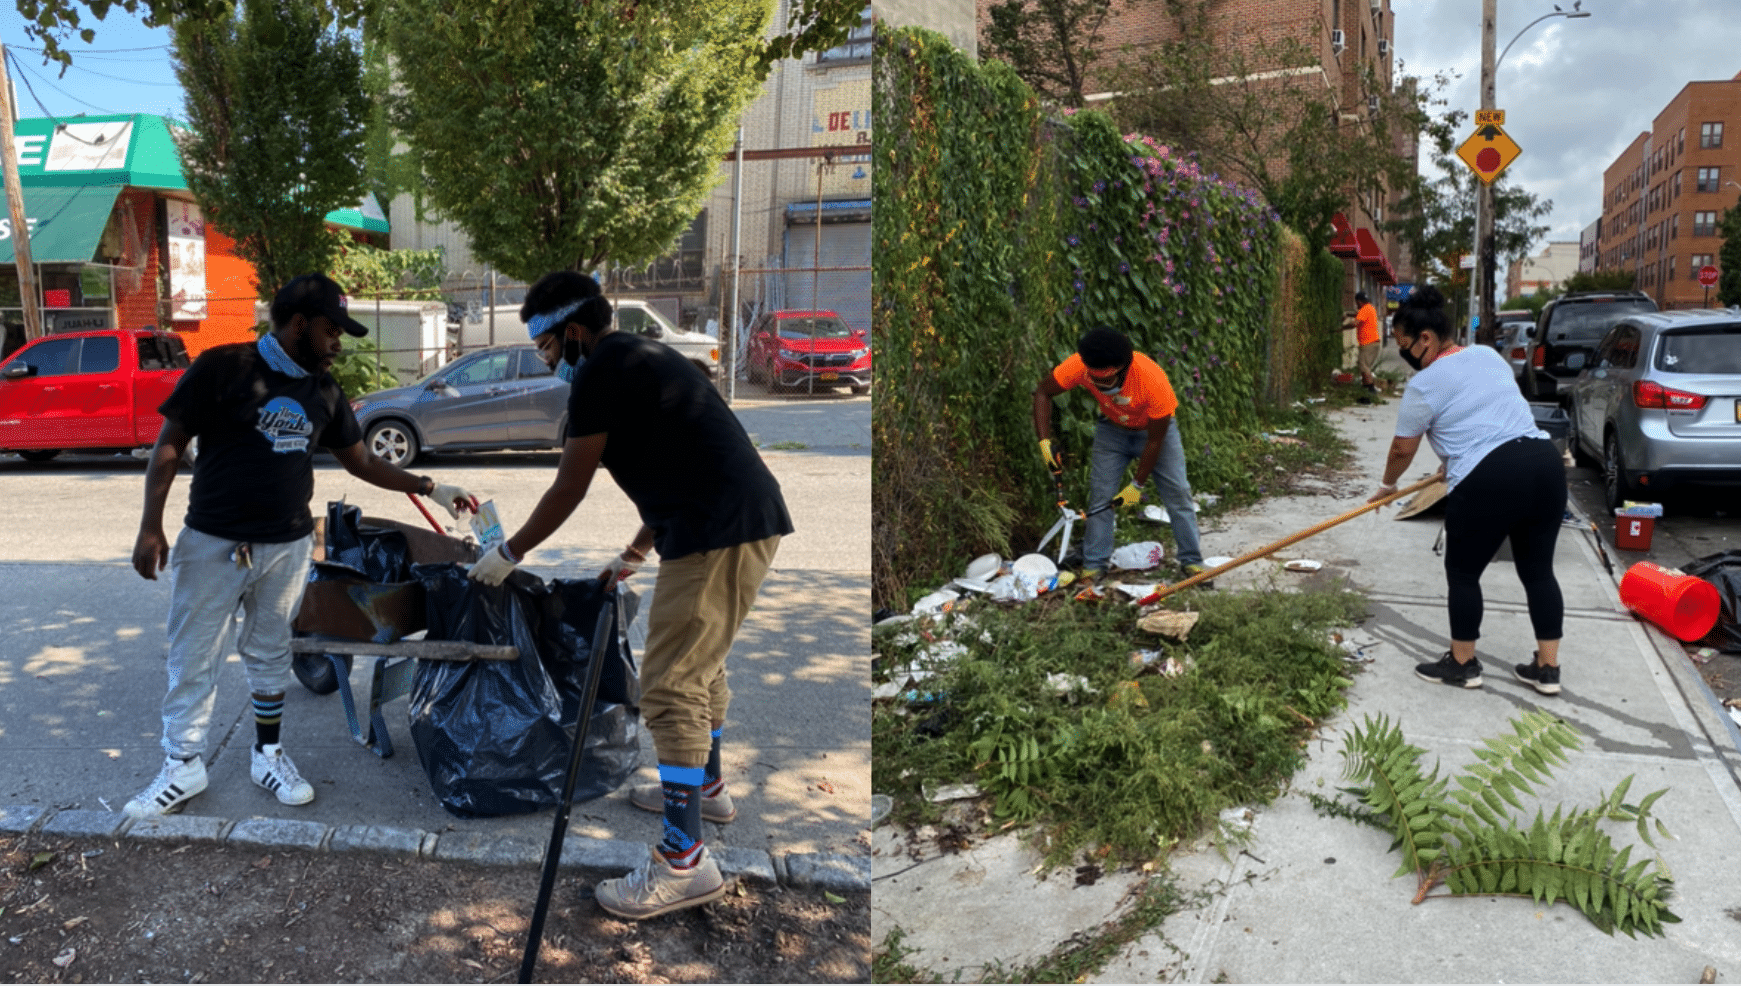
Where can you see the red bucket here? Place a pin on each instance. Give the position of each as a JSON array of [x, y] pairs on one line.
[[1682, 604]]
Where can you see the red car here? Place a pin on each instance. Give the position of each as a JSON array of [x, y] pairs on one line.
[[801, 349], [87, 390]]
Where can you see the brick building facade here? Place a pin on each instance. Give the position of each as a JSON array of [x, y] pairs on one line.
[[1345, 35], [1663, 196]]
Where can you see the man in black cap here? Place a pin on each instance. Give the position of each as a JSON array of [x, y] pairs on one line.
[[260, 410], [1366, 336]]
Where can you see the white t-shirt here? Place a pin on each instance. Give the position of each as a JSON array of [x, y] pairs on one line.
[[1467, 404]]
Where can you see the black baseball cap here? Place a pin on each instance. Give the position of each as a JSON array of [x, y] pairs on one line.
[[311, 295], [1360, 296]]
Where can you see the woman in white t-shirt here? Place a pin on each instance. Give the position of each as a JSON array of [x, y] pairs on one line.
[[1505, 477]]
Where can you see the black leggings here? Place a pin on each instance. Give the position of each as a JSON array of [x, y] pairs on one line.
[[1518, 491]]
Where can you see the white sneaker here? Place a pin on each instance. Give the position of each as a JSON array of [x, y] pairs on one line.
[[178, 781], [657, 887], [273, 771]]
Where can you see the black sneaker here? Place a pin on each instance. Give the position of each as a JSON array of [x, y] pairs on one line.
[[1544, 678], [1447, 671]]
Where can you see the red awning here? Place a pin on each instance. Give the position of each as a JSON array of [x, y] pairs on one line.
[[1343, 244], [1372, 259]]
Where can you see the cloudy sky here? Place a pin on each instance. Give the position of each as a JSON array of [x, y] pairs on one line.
[[1574, 92]]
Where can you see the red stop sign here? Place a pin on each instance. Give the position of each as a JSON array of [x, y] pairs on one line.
[[1708, 276]]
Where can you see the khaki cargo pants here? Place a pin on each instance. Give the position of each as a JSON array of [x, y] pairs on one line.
[[699, 601]]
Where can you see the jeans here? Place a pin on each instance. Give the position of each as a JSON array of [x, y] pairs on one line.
[[1115, 449], [206, 585]]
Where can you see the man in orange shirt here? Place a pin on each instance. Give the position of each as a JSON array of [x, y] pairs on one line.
[[1137, 406], [1366, 337]]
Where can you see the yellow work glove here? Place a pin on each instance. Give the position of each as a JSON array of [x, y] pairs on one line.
[[1130, 496], [1054, 460]]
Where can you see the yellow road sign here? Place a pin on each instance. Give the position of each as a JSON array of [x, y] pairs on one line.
[[1495, 117], [1488, 151]]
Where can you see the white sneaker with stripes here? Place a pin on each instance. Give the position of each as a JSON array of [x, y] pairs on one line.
[[273, 771], [178, 781]]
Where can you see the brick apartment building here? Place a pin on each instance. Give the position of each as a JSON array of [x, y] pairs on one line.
[[1345, 34], [1663, 196]]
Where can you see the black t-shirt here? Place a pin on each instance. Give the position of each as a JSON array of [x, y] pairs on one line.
[[258, 431], [674, 447]]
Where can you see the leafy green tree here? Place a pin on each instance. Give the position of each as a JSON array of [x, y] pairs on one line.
[[1052, 44], [1602, 280], [368, 271], [559, 136], [275, 120], [1729, 258], [1229, 95], [811, 25]]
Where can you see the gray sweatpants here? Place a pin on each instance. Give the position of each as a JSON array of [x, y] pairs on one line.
[[206, 585]]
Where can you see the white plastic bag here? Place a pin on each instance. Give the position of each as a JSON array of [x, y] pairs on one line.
[[1138, 557]]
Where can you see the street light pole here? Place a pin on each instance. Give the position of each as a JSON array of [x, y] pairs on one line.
[[1485, 262]]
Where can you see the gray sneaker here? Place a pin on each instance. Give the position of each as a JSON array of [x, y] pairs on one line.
[[717, 809], [659, 888], [178, 781]]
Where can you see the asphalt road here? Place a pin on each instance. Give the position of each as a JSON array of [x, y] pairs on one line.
[[82, 644]]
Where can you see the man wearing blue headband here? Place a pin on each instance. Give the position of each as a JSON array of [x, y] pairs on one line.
[[713, 511]]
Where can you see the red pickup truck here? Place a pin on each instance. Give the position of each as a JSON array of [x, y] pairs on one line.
[[87, 390]]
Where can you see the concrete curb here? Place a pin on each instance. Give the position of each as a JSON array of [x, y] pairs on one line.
[[826, 871]]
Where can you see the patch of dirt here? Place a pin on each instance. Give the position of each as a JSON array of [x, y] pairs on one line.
[[98, 910]]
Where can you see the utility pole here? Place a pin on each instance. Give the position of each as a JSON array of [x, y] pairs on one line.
[[15, 205], [1484, 261]]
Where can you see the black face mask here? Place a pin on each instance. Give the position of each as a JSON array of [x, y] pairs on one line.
[[571, 352], [1410, 358]]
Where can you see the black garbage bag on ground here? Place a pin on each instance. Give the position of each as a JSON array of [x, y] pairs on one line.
[[495, 737], [1722, 570]]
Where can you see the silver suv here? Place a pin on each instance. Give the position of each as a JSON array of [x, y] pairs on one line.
[[1660, 403]]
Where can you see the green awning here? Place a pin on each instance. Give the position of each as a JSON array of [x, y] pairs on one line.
[[66, 222]]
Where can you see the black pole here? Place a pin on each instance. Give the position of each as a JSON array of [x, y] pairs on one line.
[[559, 830]]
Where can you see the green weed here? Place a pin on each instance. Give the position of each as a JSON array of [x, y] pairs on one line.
[[1101, 757]]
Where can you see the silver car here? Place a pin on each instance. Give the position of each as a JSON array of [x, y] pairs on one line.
[[503, 397], [1660, 404]]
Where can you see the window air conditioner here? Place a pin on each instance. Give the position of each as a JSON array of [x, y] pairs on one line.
[[1337, 44], [1383, 48], [1372, 104], [1377, 5]]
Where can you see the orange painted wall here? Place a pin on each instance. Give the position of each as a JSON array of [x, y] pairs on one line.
[[230, 297]]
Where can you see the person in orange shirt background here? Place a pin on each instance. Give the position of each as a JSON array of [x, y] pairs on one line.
[[1366, 337], [1137, 406]]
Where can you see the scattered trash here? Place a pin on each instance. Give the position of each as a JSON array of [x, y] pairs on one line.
[[1703, 655], [1237, 819], [1157, 514], [1140, 556], [1091, 593], [984, 568], [1208, 499], [881, 806], [1276, 438], [1286, 431], [941, 601], [1033, 564], [1353, 653], [1216, 562], [888, 689], [1303, 565], [1138, 591], [1168, 623], [1064, 684], [892, 620], [1127, 694], [1167, 667], [951, 792], [941, 652], [65, 958]]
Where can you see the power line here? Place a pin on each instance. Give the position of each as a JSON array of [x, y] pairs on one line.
[[25, 74], [118, 78], [95, 51]]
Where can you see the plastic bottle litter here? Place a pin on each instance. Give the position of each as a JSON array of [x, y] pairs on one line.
[[487, 524]]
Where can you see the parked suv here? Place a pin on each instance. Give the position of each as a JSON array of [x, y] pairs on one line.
[[808, 349], [1516, 327], [87, 390], [1660, 403], [1567, 333]]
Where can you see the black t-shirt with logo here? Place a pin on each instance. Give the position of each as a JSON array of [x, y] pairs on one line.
[[258, 431], [674, 447]]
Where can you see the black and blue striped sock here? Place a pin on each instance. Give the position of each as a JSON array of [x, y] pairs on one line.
[[681, 845], [268, 714]]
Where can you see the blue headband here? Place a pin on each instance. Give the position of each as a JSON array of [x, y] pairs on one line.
[[540, 324]]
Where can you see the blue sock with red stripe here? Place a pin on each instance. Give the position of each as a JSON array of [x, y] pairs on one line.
[[681, 845]]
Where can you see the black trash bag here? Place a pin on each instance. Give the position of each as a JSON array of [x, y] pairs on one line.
[[494, 737], [381, 554], [1722, 570]]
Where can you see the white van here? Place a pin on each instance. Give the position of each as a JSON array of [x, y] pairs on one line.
[[632, 315]]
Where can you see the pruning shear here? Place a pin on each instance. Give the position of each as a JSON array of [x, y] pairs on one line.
[[1067, 518]]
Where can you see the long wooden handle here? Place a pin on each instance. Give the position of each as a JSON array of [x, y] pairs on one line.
[[1270, 549]]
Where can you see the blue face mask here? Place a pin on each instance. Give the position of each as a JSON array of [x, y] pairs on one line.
[[565, 371]]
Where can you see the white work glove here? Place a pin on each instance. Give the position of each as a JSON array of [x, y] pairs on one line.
[[493, 567], [454, 498], [620, 569]]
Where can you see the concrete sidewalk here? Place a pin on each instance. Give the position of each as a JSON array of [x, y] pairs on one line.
[[81, 662], [1310, 898]]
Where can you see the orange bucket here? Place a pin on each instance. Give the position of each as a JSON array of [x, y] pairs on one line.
[[1684, 605]]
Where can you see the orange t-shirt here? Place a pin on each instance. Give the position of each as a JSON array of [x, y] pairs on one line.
[[1145, 396], [1365, 325]]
